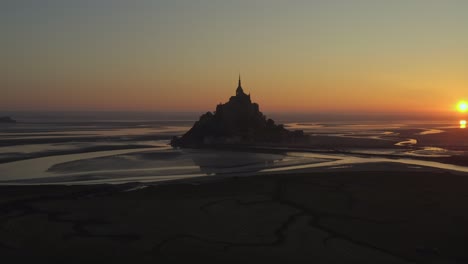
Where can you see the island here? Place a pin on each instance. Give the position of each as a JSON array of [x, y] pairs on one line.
[[6, 120], [237, 122]]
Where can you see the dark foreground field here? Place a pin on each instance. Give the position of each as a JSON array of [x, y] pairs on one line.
[[340, 217]]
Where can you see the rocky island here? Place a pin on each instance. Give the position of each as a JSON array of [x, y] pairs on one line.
[[237, 122], [6, 120]]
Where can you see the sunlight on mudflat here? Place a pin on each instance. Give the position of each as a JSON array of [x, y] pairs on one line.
[[462, 123]]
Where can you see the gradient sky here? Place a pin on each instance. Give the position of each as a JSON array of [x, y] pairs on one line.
[[183, 55]]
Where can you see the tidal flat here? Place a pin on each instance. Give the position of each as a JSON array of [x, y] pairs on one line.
[[355, 193], [362, 216]]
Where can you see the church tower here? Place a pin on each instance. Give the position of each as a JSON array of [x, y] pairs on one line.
[[240, 95], [239, 90]]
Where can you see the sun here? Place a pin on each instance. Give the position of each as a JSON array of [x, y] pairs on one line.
[[462, 106]]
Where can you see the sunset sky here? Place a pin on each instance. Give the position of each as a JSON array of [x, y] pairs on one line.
[[185, 55]]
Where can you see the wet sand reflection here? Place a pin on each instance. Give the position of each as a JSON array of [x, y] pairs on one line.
[[462, 123]]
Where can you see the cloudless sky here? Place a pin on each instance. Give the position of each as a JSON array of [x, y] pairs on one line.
[[184, 55]]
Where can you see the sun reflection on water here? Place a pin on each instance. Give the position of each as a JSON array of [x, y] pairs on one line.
[[462, 123]]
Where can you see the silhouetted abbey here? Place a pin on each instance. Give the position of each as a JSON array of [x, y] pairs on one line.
[[238, 121]]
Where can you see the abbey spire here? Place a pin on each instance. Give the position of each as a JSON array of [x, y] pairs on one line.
[[239, 90]]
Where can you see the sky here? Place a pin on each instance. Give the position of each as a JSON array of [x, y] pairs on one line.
[[366, 56]]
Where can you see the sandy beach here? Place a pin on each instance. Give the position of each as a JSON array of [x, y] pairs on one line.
[[373, 216]]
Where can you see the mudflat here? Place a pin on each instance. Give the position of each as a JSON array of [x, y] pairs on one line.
[[323, 217]]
